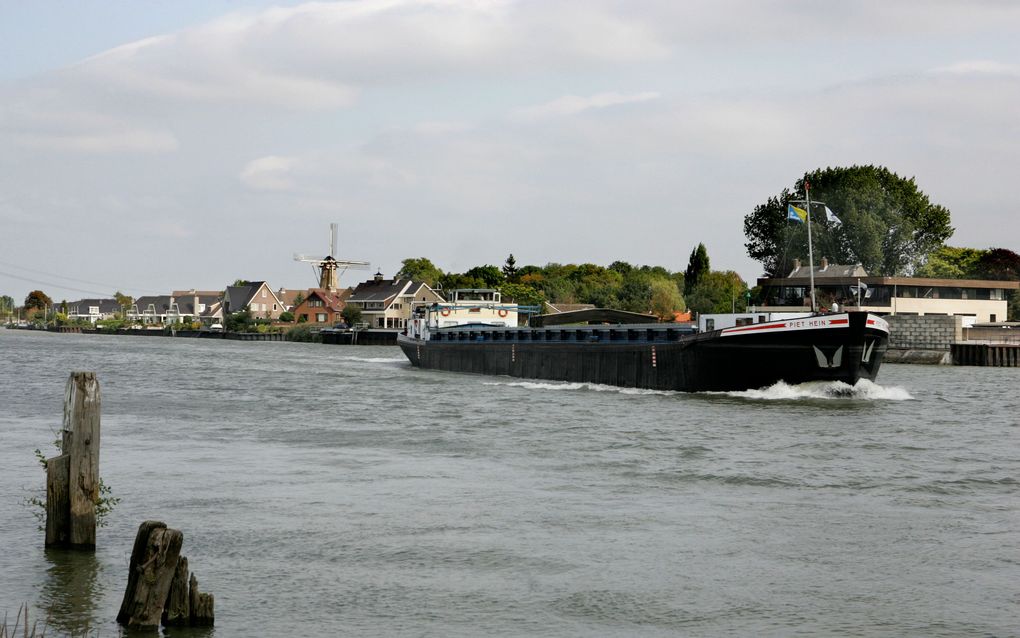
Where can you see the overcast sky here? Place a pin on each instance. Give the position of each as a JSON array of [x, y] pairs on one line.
[[149, 146]]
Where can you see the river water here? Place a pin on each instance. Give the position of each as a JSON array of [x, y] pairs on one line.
[[335, 490]]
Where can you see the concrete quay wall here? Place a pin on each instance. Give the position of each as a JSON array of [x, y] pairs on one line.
[[924, 332]]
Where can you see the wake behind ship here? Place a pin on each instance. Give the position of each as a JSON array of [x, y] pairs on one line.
[[476, 333]]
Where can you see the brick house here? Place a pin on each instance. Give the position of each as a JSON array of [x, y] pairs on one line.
[[321, 306]]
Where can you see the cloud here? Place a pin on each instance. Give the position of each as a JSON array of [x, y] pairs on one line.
[[271, 173], [573, 104], [127, 141], [979, 67], [323, 55]]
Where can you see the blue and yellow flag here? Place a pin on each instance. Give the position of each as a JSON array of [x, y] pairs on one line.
[[798, 215]]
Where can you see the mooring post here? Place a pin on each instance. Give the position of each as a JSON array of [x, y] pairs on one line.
[[72, 479], [158, 587], [152, 568]]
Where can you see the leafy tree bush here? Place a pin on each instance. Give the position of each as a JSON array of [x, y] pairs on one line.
[[287, 316], [697, 266], [419, 269], [510, 269], [37, 300], [490, 276], [351, 314], [717, 292], [666, 299], [523, 295], [886, 223], [238, 321], [303, 334]]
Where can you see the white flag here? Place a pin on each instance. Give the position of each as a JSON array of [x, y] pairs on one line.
[[831, 217]]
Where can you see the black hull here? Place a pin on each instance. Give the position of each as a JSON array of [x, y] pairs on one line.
[[657, 358]]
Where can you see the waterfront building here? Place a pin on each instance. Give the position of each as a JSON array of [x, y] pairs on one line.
[[851, 288], [321, 306], [92, 310], [256, 297], [387, 303]]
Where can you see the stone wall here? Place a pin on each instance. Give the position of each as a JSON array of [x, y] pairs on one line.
[[924, 332]]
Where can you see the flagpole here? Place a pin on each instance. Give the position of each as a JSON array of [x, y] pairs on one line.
[[810, 249]]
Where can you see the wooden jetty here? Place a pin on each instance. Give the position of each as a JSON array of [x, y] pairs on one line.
[[981, 353]]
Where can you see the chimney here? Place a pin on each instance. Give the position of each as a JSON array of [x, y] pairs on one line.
[[378, 276], [825, 264]]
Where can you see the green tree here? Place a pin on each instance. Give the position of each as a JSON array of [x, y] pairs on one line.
[[351, 314], [886, 223], [666, 299], [453, 281], [635, 293], [621, 267], [490, 275], [510, 269], [299, 299], [287, 316], [419, 269], [948, 262], [6, 306], [717, 292], [239, 321], [37, 300], [697, 266], [124, 301], [523, 295], [596, 285]]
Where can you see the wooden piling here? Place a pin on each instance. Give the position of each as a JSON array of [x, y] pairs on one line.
[[152, 575], [178, 604], [72, 479], [159, 588], [58, 501], [201, 605], [137, 557]]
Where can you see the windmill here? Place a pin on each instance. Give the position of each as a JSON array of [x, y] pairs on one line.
[[330, 268]]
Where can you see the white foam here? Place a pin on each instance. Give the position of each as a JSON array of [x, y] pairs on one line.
[[781, 391], [864, 389], [591, 387], [376, 359]]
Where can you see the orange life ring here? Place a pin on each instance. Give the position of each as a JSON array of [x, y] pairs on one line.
[[502, 313], [445, 312]]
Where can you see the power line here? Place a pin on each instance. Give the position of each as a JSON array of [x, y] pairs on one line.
[[71, 279], [53, 285], [83, 281]]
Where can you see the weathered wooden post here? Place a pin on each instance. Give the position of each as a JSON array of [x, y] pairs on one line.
[[158, 588], [72, 479], [152, 568]]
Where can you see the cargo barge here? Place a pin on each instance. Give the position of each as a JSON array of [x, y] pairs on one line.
[[478, 334]]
